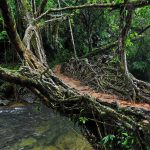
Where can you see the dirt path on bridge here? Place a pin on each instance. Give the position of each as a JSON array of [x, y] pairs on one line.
[[76, 84]]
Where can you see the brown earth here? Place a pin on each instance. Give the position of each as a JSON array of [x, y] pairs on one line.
[[78, 85]]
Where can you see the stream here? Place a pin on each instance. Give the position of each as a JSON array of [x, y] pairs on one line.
[[36, 127]]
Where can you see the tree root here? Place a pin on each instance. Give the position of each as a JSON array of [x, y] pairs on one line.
[[55, 94], [104, 75]]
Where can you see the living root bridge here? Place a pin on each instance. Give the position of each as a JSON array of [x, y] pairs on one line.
[[54, 93], [103, 118], [104, 74], [106, 77]]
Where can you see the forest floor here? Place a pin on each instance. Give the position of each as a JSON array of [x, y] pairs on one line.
[[108, 98]]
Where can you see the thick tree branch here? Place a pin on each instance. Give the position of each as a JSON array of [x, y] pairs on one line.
[[15, 77], [136, 4], [106, 48], [102, 49]]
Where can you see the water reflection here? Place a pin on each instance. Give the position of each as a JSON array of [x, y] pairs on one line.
[[34, 128]]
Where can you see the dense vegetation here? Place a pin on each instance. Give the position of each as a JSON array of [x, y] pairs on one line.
[[46, 33], [92, 29]]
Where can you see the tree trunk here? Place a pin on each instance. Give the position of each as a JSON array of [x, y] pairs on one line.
[[125, 23]]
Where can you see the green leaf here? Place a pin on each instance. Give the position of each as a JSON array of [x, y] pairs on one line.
[[83, 120], [3, 35], [125, 134], [107, 139]]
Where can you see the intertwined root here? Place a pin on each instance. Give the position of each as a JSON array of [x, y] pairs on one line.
[[103, 74], [54, 93], [141, 88]]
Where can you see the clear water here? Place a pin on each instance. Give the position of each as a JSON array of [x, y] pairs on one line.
[[38, 128]]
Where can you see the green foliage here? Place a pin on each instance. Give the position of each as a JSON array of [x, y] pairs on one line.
[[27, 5], [50, 4], [12, 7], [114, 60], [89, 23], [123, 141], [126, 141], [1, 20], [83, 120], [147, 148], [3, 35], [140, 65], [118, 1], [61, 56], [139, 58], [107, 140], [141, 17], [10, 68], [92, 1], [112, 1], [41, 23]]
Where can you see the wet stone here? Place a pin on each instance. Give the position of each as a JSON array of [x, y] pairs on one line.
[[38, 128]]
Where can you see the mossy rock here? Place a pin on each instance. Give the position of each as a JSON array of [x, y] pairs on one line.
[[50, 148], [26, 143], [45, 148], [73, 141], [41, 129]]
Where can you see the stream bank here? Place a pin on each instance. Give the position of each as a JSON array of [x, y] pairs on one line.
[[36, 127]]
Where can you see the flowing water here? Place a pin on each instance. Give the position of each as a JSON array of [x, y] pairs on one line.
[[38, 128]]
